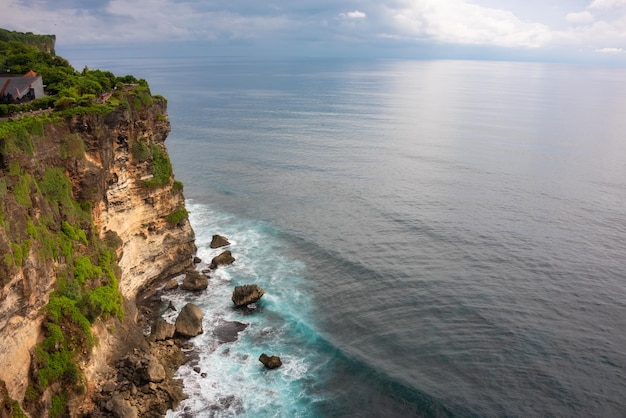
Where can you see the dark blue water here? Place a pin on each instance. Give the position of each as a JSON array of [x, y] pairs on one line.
[[436, 238]]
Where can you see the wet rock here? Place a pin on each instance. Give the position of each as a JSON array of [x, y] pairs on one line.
[[197, 260], [162, 330], [224, 259], [271, 362], [227, 332], [171, 285], [189, 321], [219, 241], [246, 294], [194, 281]]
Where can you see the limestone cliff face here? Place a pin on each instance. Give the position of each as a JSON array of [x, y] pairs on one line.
[[111, 159], [153, 248]]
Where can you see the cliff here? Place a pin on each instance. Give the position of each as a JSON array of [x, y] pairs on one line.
[[90, 213], [42, 42]]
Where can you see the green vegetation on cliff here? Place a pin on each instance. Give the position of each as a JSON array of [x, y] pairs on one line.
[[66, 88], [44, 43]]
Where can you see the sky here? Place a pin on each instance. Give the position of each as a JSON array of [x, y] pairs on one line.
[[541, 30]]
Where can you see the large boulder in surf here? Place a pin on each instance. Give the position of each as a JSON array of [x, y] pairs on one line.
[[219, 241], [194, 281], [189, 321], [271, 362], [224, 259], [246, 294]]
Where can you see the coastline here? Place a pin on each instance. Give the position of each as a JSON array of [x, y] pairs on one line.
[[138, 380]]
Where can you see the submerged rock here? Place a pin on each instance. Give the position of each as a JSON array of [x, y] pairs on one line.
[[219, 241], [194, 281], [247, 294], [228, 331], [271, 362], [189, 321], [224, 259]]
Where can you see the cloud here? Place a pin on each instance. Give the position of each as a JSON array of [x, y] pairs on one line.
[[353, 15], [606, 4], [326, 25], [611, 50], [579, 18], [460, 22]]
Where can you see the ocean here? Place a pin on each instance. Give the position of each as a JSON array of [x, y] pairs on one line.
[[435, 238]]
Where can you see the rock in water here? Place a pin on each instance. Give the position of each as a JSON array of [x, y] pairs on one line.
[[246, 294], [194, 281], [271, 362], [163, 330], [223, 259], [228, 331], [219, 241], [189, 321]]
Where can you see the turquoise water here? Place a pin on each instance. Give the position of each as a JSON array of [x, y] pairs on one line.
[[436, 238]]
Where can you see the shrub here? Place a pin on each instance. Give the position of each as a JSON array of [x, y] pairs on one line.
[[103, 301], [72, 146], [140, 151], [161, 168], [59, 406], [178, 185], [85, 270], [64, 102], [73, 233], [21, 191], [176, 217], [56, 187]]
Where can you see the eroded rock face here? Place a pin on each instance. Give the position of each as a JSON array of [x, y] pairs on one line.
[[153, 248], [247, 294], [189, 321], [271, 362], [224, 259], [219, 241]]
